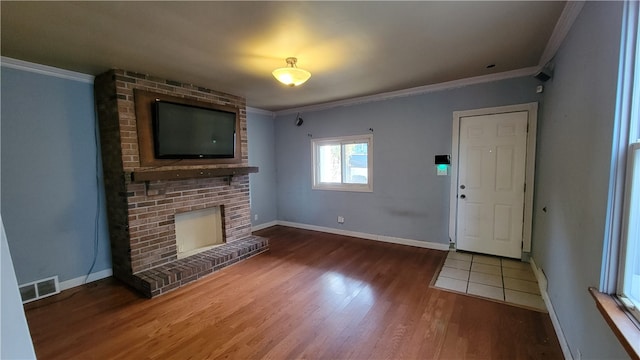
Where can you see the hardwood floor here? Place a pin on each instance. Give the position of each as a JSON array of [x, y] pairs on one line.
[[313, 295]]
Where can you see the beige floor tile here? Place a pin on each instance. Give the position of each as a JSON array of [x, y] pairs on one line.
[[518, 274], [484, 276], [487, 269], [486, 279], [454, 273], [488, 260], [457, 264], [525, 299], [514, 264], [451, 284], [487, 291], [458, 256], [521, 285]]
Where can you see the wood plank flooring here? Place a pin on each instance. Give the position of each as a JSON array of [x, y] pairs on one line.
[[313, 295]]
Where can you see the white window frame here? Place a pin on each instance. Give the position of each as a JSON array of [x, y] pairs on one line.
[[633, 306], [626, 132], [342, 140]]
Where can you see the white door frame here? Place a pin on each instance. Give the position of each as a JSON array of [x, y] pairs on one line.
[[532, 121]]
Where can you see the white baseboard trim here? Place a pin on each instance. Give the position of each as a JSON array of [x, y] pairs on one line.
[[264, 226], [542, 283], [383, 238], [71, 283], [80, 280]]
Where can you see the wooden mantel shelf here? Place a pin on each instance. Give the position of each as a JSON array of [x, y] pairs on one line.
[[151, 175]]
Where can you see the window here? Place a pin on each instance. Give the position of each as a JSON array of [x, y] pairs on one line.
[[621, 255], [343, 163], [629, 272]]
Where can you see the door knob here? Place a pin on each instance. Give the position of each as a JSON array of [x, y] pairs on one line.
[[463, 196]]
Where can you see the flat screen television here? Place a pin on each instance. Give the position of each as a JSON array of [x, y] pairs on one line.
[[191, 132]]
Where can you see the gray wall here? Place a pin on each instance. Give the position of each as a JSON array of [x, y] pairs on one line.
[[15, 339], [50, 180], [49, 189], [260, 131], [573, 162], [408, 200]]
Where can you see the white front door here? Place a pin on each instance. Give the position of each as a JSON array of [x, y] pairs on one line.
[[491, 181]]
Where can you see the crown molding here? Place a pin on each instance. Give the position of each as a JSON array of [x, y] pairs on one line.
[[565, 21], [529, 71], [45, 70], [256, 111]]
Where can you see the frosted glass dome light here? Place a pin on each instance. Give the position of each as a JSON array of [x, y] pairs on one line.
[[291, 75]]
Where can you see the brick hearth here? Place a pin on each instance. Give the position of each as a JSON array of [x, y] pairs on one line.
[[142, 213], [177, 273]]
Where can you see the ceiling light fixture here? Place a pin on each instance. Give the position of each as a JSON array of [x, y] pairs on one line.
[[291, 75]]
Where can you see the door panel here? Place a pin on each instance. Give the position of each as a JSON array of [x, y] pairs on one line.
[[474, 221], [474, 167], [501, 222], [491, 176], [504, 168]]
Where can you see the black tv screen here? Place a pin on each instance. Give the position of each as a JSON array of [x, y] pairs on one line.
[[191, 132]]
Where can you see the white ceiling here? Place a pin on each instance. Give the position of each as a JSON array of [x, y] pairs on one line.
[[352, 49]]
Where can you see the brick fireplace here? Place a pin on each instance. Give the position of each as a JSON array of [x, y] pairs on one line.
[[142, 208]]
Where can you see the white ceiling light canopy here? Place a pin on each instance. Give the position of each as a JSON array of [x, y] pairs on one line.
[[291, 75]]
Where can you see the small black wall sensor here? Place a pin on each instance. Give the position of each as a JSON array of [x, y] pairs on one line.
[[299, 120], [543, 75], [443, 159]]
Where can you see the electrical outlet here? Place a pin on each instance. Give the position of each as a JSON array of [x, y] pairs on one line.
[[255, 217], [340, 219]]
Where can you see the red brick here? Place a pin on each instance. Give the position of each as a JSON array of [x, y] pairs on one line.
[[148, 209]]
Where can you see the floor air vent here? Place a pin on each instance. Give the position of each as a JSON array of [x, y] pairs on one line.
[[39, 289]]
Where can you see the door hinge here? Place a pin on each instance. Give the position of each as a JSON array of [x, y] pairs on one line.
[[521, 245], [525, 187], [527, 127]]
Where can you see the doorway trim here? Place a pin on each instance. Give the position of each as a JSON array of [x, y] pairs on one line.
[[532, 122]]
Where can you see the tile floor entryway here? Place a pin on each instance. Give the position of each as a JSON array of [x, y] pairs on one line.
[[510, 281]]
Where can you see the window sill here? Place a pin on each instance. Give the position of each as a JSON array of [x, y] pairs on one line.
[[343, 188], [618, 319]]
